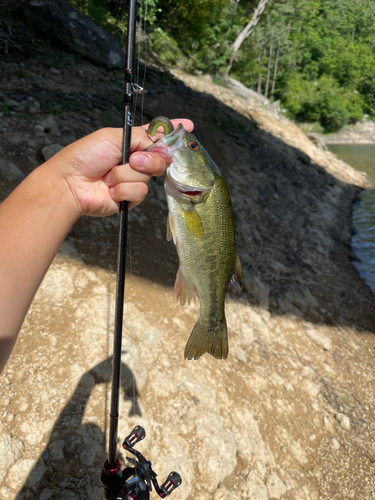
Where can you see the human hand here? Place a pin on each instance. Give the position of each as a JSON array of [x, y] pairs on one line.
[[89, 169]]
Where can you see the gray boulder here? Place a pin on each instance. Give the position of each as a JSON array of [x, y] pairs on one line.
[[49, 151], [10, 172], [63, 25]]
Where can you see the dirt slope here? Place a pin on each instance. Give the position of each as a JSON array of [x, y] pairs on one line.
[[290, 413]]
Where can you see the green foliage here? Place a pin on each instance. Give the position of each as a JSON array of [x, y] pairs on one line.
[[100, 12], [4, 108], [322, 101], [201, 28], [165, 46], [325, 49], [326, 59]]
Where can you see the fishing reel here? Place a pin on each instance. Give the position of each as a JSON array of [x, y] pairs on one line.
[[135, 483]]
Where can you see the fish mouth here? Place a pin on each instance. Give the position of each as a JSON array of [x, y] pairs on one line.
[[183, 188], [190, 192]]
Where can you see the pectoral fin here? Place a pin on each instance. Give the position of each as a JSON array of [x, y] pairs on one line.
[[171, 233], [193, 223], [183, 289]]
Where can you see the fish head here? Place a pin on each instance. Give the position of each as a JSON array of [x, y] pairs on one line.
[[190, 171]]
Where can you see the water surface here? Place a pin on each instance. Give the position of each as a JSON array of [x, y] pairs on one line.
[[362, 158]]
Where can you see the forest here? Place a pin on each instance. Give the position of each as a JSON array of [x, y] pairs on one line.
[[315, 56]]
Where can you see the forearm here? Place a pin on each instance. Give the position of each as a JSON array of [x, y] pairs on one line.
[[34, 221], [86, 177]]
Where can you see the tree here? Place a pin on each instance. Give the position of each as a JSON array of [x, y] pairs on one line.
[[246, 32]]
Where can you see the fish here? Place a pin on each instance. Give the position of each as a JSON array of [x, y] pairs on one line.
[[200, 222]]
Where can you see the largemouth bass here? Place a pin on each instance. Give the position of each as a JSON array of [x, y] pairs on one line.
[[200, 222]]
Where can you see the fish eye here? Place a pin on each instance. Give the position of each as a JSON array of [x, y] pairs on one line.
[[194, 146]]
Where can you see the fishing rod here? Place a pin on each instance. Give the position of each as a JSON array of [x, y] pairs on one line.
[[131, 483]]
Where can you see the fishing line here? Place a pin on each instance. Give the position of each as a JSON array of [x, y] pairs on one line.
[[145, 57], [106, 385], [137, 89], [130, 270], [138, 49]]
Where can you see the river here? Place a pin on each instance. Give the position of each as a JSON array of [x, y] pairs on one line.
[[362, 158]]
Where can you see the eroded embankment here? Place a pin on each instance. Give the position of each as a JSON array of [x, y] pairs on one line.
[[290, 413]]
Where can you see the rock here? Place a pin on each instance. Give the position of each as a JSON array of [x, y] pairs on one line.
[[329, 423], [311, 387], [248, 335], [302, 299], [240, 354], [280, 268], [32, 105], [26, 469], [240, 89], [202, 495], [223, 494], [258, 324], [216, 455], [12, 104], [252, 285], [48, 126], [67, 28], [287, 307], [275, 106], [362, 132], [10, 449], [335, 444], [46, 494], [276, 488], [57, 285], [319, 339], [10, 172], [344, 421], [49, 151], [255, 488], [317, 139]]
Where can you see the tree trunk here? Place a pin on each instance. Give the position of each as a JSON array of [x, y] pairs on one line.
[[259, 89], [245, 33], [275, 72], [269, 67]]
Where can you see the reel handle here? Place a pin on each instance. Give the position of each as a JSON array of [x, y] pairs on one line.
[[136, 435], [172, 482]]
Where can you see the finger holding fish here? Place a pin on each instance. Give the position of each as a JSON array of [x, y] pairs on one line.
[[128, 182]]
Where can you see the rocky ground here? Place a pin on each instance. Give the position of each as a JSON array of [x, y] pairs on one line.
[[290, 414], [359, 133]]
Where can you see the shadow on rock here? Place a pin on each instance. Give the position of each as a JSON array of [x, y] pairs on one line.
[[70, 466], [293, 218]]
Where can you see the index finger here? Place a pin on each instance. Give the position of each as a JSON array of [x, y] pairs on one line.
[[139, 137]]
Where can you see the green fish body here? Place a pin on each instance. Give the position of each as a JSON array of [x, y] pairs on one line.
[[200, 221]]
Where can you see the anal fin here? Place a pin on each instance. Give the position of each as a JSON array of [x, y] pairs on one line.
[[238, 270], [236, 273], [183, 289]]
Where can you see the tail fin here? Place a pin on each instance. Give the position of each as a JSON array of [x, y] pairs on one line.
[[208, 337]]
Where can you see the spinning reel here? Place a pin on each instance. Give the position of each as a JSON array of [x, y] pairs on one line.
[[135, 483]]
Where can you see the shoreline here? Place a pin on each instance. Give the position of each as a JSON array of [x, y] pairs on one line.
[[358, 133]]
